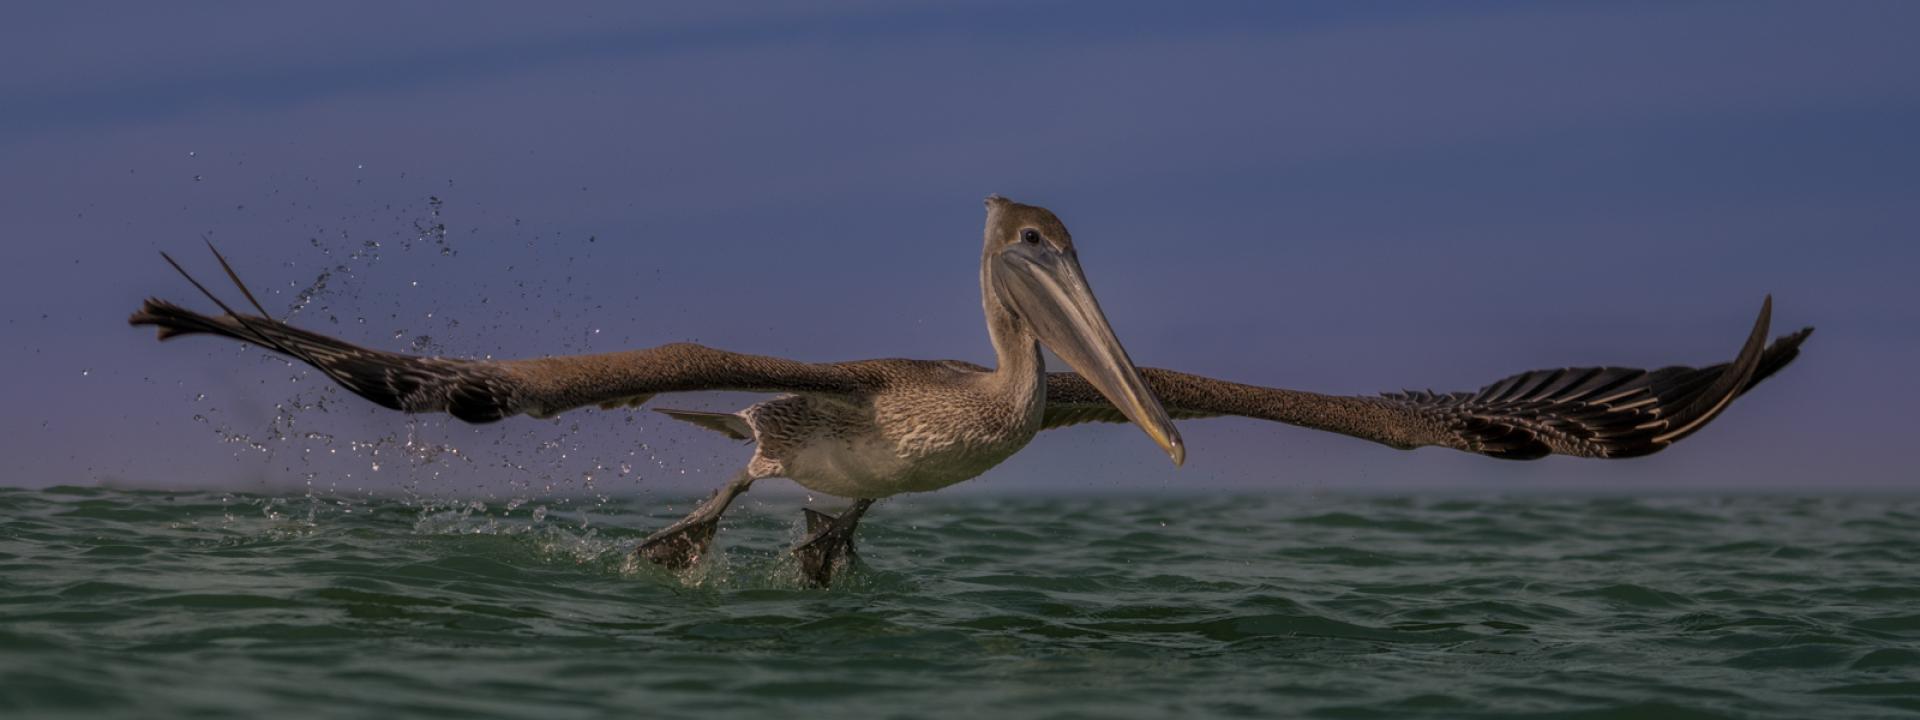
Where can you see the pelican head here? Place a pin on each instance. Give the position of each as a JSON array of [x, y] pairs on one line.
[[1031, 270]]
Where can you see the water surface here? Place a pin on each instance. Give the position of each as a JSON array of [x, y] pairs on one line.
[[154, 604]]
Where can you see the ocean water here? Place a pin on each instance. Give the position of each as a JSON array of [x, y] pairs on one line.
[[141, 604]]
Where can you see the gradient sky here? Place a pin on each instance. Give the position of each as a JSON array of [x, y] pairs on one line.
[[1334, 196]]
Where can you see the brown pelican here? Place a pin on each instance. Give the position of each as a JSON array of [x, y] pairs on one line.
[[869, 429]]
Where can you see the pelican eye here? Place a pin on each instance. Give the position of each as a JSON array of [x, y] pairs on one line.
[[1030, 236]]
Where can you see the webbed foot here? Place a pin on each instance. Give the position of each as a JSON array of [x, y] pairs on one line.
[[683, 543], [829, 543], [680, 545]]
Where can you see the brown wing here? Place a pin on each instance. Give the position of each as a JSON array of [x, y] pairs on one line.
[[486, 390], [1605, 412]]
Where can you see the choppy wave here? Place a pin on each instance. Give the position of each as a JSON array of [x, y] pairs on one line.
[[149, 604]]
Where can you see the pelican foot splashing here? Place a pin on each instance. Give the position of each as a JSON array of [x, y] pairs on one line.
[[870, 429]]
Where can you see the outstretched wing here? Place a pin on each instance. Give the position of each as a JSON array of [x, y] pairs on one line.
[[1604, 412], [487, 390]]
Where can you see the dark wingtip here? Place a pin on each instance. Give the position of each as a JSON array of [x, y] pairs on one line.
[[162, 314], [147, 314], [1782, 352], [1733, 380], [235, 277]]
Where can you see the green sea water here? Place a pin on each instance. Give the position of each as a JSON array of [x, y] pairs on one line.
[[141, 604]]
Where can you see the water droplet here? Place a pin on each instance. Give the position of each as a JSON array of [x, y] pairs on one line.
[[84, 373]]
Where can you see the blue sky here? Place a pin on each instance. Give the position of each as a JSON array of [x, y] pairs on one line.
[[1320, 196]]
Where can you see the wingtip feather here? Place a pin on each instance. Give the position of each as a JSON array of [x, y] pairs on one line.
[[170, 320]]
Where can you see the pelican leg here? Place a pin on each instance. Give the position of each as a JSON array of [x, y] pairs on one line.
[[829, 541], [683, 543]]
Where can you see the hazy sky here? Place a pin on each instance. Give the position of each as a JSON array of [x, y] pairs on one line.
[[1330, 196]]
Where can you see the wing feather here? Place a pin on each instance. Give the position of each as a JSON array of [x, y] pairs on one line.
[[481, 391], [1604, 412]]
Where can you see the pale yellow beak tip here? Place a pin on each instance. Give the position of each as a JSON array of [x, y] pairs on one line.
[[1178, 452]]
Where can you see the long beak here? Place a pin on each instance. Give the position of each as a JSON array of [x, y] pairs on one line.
[[1047, 289]]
